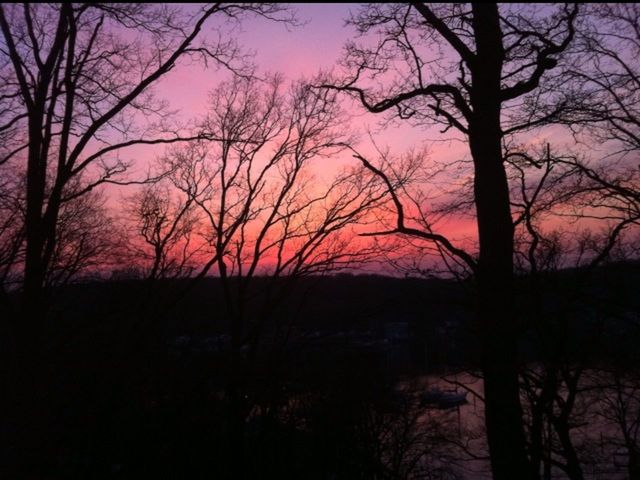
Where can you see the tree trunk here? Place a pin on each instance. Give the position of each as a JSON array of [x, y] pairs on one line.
[[30, 381], [572, 468], [28, 385], [634, 462], [237, 405], [34, 270], [498, 330]]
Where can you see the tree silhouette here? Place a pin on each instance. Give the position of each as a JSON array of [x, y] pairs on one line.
[[76, 89], [74, 85], [265, 215], [163, 239], [468, 68]]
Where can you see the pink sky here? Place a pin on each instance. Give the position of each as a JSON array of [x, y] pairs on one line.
[[294, 52], [297, 52], [301, 52]]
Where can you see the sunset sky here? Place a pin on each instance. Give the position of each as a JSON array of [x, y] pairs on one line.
[[225, 227], [301, 52], [426, 158]]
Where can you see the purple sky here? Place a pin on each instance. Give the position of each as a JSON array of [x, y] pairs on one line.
[[296, 52]]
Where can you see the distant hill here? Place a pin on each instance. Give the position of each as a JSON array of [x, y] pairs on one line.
[[433, 309]]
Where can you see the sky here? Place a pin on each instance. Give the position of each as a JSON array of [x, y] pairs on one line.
[[296, 52], [293, 51]]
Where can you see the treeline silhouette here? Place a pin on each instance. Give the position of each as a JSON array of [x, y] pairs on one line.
[[158, 406]]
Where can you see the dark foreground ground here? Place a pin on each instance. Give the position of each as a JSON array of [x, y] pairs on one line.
[[140, 381]]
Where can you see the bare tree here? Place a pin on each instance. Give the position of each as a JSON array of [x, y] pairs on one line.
[[468, 67], [11, 234], [604, 115], [86, 236], [163, 240], [265, 215], [602, 109], [77, 89], [594, 222], [620, 408], [602, 97]]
